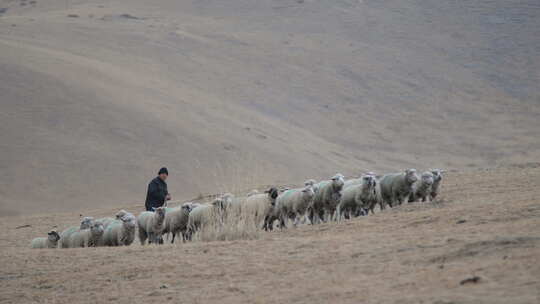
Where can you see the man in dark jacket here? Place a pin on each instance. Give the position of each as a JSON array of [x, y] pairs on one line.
[[157, 192]]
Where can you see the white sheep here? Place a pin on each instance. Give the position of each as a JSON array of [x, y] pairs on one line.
[[120, 231], [176, 220], [65, 236], [89, 237], [51, 241], [437, 179], [360, 198], [422, 187], [293, 204], [151, 225], [326, 198], [209, 214], [396, 187]]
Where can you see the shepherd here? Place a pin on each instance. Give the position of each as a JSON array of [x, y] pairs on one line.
[[157, 193]]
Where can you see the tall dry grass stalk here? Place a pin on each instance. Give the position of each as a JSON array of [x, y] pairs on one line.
[[238, 221], [233, 223]]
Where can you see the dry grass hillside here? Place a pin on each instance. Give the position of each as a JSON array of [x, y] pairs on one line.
[[479, 244], [96, 95]]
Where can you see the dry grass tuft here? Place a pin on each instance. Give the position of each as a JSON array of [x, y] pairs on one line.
[[234, 223]]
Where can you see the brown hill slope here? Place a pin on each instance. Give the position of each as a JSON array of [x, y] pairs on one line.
[[97, 95], [486, 226]]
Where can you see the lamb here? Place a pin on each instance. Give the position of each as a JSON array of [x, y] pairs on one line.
[[89, 237], [396, 187], [176, 220], [421, 188], [66, 234], [151, 225], [119, 231], [359, 198], [259, 206], [293, 204], [51, 241], [437, 178], [326, 198]]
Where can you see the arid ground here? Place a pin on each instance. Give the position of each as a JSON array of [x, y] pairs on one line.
[[479, 244]]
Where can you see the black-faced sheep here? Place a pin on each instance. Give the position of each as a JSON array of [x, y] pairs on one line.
[[259, 207]]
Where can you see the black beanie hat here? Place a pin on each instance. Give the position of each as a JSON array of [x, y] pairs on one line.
[[163, 170]]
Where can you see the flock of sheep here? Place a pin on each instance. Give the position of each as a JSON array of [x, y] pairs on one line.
[[315, 202]]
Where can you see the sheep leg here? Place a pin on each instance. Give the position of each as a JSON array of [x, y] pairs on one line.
[[142, 236], [322, 215], [296, 220], [173, 235], [283, 222], [310, 215]]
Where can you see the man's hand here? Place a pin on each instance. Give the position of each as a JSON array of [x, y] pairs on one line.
[[168, 197]]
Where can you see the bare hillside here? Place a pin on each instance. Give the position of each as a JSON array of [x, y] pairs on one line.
[[479, 244], [96, 95]]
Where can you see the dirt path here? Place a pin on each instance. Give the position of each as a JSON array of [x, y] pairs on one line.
[[480, 244]]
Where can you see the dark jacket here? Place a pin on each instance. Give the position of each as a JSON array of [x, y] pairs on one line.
[[155, 196]]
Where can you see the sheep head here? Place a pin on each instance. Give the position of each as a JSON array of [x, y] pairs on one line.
[[411, 176], [86, 222], [97, 228], [338, 181], [310, 182], [160, 212], [427, 178], [120, 214], [129, 220], [308, 193], [272, 194], [437, 174], [53, 236], [369, 181], [187, 207]]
